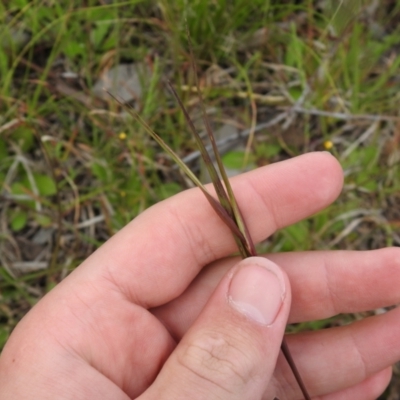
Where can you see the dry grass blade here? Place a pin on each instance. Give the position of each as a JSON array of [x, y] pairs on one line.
[[222, 196], [246, 247], [245, 243], [225, 201], [221, 211], [227, 208]]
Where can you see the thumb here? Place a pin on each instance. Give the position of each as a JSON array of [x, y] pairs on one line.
[[231, 350]]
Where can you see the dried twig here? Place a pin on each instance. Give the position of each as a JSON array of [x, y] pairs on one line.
[[344, 116]]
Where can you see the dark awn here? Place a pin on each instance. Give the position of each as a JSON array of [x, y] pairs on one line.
[[226, 206]]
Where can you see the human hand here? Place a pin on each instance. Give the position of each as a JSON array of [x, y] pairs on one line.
[[144, 318]]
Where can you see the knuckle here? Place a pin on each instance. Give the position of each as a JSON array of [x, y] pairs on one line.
[[218, 359], [195, 237]]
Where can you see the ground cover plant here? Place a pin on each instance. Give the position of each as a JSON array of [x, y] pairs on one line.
[[290, 77]]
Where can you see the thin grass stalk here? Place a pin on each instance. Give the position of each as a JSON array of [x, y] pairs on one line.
[[227, 208], [219, 189], [221, 211], [246, 248], [225, 201]]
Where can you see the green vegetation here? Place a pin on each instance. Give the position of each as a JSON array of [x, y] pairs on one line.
[[75, 168]]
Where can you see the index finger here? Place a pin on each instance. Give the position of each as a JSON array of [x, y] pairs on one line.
[[154, 258]]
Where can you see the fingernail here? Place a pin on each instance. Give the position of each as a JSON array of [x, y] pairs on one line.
[[257, 290]]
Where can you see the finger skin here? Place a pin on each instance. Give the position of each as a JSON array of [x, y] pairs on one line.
[[226, 355], [328, 283], [370, 389], [329, 360], [338, 358], [79, 346], [101, 295], [324, 284], [99, 311], [156, 256]]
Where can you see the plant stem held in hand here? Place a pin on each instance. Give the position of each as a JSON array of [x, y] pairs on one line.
[[226, 206]]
